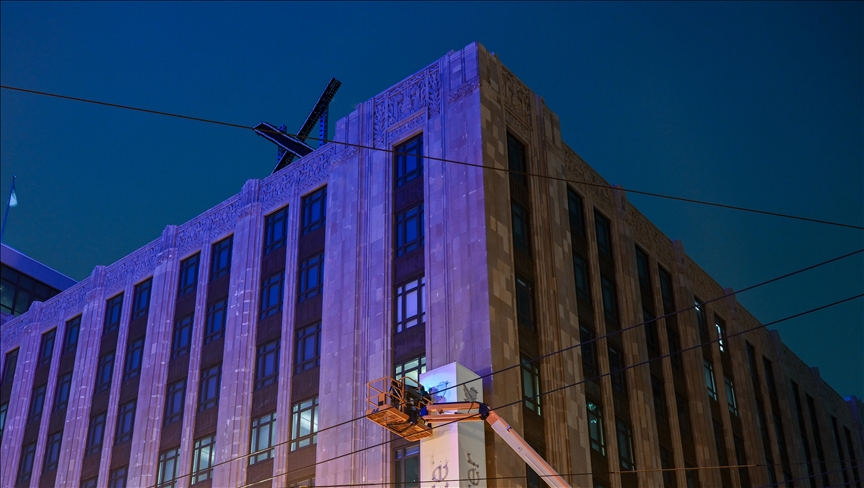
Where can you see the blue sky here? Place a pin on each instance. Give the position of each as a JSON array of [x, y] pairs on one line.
[[750, 104]]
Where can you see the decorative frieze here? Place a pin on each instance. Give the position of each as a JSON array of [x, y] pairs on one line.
[[517, 97], [423, 90]]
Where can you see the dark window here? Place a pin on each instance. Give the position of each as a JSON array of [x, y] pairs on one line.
[[141, 298], [595, 428], [95, 434], [4, 409], [674, 347], [576, 212], [583, 285], [644, 270], [267, 364], [741, 459], [90, 482], [9, 365], [271, 294], [37, 402], [117, 477], [275, 230], [307, 347], [516, 162], [709, 380], [181, 340], [659, 394], [52, 451], [188, 274], [25, 465], [18, 291], [125, 422], [314, 210], [134, 356], [751, 361], [730, 396], [70, 339], [625, 446], [589, 352], [263, 437], [411, 368], [113, 308], [521, 235], [666, 291], [410, 304], [304, 423], [407, 466], [700, 320], [168, 464], [692, 476], [203, 457], [311, 277], [409, 160], [720, 444], [531, 384], [616, 368], [46, 348], [104, 372], [652, 338], [667, 462], [853, 460], [409, 229], [211, 379], [175, 400], [214, 327], [220, 264], [610, 302], [604, 235], [720, 325], [61, 394], [524, 303]]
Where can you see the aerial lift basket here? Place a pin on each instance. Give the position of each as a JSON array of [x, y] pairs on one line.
[[395, 405]]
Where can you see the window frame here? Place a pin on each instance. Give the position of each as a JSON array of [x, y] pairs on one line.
[[272, 288], [710, 379], [410, 368], [581, 269], [71, 334], [181, 336], [611, 310], [603, 229], [219, 250], [598, 444], [125, 429], [298, 440], [521, 225], [267, 364], [134, 359], [141, 298], [588, 347], [626, 457], [261, 447], [305, 288], [203, 473], [402, 297], [117, 478], [617, 375], [95, 433], [105, 371], [215, 310], [175, 401], [576, 212], [402, 152], [531, 385], [309, 204], [168, 465], [26, 462], [517, 162], [62, 392], [37, 402], [302, 335], [188, 279], [212, 398], [46, 347], [402, 223], [731, 399], [113, 311], [401, 457], [275, 230]]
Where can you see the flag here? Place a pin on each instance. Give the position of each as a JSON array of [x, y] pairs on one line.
[[13, 199]]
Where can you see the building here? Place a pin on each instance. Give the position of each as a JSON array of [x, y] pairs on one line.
[[24, 280], [235, 349]]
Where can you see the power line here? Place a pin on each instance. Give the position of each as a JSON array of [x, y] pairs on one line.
[[433, 158]]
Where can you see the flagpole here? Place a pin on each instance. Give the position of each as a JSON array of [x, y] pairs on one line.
[[8, 204]]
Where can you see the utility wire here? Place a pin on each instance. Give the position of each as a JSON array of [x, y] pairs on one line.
[[433, 158], [789, 482]]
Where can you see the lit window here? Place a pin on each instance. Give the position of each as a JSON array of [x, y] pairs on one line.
[[70, 340], [721, 332], [700, 320], [168, 463], [113, 308], [220, 264], [314, 210], [141, 299], [214, 326], [271, 294], [521, 229], [412, 368], [134, 355], [304, 423], [203, 457], [188, 274], [311, 277], [211, 379], [531, 384], [263, 438], [410, 304], [175, 399], [267, 364], [730, 396], [307, 347], [709, 380], [595, 428], [125, 422], [409, 229], [181, 339], [275, 230], [409, 160]]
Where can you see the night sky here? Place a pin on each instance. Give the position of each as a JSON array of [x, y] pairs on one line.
[[751, 104]]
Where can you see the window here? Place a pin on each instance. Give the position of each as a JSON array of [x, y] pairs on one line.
[[589, 352], [616, 368], [314, 210], [70, 340], [516, 162], [4, 409], [307, 348], [666, 291], [409, 160], [117, 477], [211, 379], [583, 285], [311, 277], [52, 451], [141, 299], [214, 327], [167, 474], [9, 366], [203, 457], [409, 229], [220, 263], [410, 304], [667, 462], [37, 402], [134, 355], [104, 371], [674, 348], [25, 465], [720, 444], [89, 482], [275, 230], [741, 460], [652, 338], [175, 400], [46, 347], [659, 394], [304, 423], [531, 384], [267, 364], [521, 236], [95, 434], [576, 213], [700, 319], [407, 466], [263, 438], [113, 307], [412, 368], [595, 428], [644, 270], [604, 235], [751, 361], [524, 303], [625, 446], [188, 274], [181, 339], [125, 422], [610, 302], [271, 294], [730, 396], [709, 380], [18, 291], [692, 477], [61, 393], [721, 332]]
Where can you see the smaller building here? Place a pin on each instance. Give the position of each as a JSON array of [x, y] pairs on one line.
[[23, 280]]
